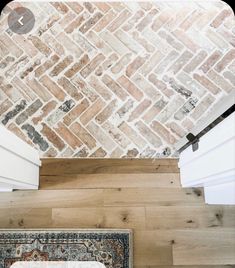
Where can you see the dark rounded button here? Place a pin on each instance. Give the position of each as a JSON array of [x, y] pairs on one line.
[[21, 20]]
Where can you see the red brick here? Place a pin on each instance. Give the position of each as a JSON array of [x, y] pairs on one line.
[[83, 135], [102, 6], [104, 21], [46, 109], [114, 87], [146, 132], [221, 17], [161, 85], [52, 137], [5, 105], [135, 65], [76, 112], [139, 110], [106, 112], [146, 20], [41, 46], [75, 6], [38, 89], [61, 66], [90, 67], [68, 136], [19, 133], [101, 136], [130, 88], [53, 87], [163, 132], [90, 23], [60, 7], [201, 108], [46, 65], [77, 66], [99, 153], [92, 111], [69, 88], [210, 62], [207, 83], [115, 24], [102, 90], [227, 58]]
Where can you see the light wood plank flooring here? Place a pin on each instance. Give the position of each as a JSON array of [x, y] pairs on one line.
[[172, 226]]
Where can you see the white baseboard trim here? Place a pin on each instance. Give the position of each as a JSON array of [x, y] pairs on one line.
[[220, 194], [20, 163]]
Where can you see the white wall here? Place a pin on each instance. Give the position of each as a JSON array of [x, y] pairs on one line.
[[19, 163], [213, 165]]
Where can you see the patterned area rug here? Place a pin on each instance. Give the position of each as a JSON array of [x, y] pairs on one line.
[[113, 248]]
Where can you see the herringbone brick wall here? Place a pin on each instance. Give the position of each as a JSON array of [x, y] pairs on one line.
[[114, 79]]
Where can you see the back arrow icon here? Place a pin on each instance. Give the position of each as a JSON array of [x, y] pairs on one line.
[[20, 21]]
